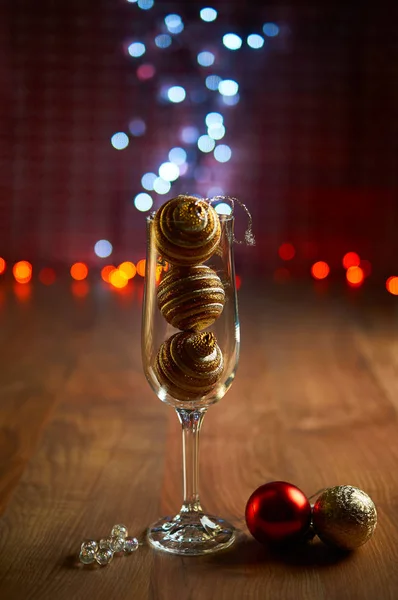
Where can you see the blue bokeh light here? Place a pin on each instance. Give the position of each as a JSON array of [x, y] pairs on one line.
[[136, 49], [228, 87], [103, 248], [147, 180], [163, 40], [270, 29], [232, 41], [222, 153], [120, 140], [143, 202], [176, 94], [137, 127], [255, 41], [212, 82], [205, 59], [208, 14]]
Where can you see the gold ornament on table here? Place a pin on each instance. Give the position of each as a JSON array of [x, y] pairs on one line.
[[187, 230], [344, 516], [189, 365], [191, 298]]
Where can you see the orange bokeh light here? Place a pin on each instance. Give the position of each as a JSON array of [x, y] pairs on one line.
[[320, 270], [392, 285], [286, 251], [118, 279], [106, 272], [80, 289], [128, 268], [141, 267], [351, 259], [355, 275], [47, 276], [22, 271], [2, 265], [79, 271], [22, 292]]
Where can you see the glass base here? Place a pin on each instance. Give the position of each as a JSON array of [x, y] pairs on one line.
[[191, 534]]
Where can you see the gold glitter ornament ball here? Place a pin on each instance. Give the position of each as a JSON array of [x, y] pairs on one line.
[[189, 365], [191, 298], [344, 516], [187, 230]]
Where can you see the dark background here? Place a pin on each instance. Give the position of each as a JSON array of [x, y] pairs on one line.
[[314, 136]]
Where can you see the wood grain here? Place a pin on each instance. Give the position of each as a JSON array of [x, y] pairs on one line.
[[314, 403]]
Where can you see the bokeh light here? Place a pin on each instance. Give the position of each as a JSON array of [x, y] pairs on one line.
[[146, 71], [208, 14], [169, 171], [189, 134], [286, 251], [22, 292], [163, 40], [214, 118], [255, 41], [320, 270], [147, 180], [141, 267], [228, 87], [176, 94], [232, 41], [223, 208], [145, 4], [143, 202], [177, 155], [216, 131], [47, 276], [2, 265], [137, 127], [106, 271], [128, 268], [174, 23], [270, 29], [79, 271], [103, 248], [120, 140], [366, 267], [136, 49], [231, 100], [351, 259], [183, 169], [206, 143], [212, 82], [22, 271], [355, 275], [392, 285], [80, 289], [205, 59], [118, 279], [161, 186], [222, 153]]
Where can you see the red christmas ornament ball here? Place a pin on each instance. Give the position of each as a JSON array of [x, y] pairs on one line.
[[278, 512]]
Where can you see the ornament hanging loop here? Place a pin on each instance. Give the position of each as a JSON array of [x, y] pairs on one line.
[[249, 238]]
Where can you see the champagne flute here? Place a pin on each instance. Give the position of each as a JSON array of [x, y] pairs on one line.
[[191, 531]]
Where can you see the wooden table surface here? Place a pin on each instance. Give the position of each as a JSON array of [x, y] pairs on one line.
[[85, 444]]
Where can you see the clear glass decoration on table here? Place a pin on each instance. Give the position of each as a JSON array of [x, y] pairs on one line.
[[190, 347]]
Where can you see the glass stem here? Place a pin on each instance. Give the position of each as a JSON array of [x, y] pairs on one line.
[[191, 421]]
